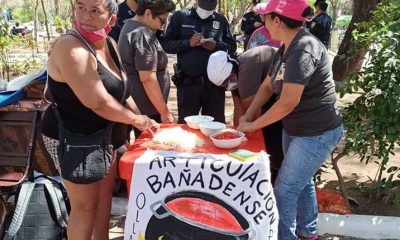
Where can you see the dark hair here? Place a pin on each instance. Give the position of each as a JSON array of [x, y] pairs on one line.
[[255, 2], [323, 6], [318, 1], [289, 22], [111, 6], [157, 7]]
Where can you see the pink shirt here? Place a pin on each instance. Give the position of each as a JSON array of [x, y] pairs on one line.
[[261, 36]]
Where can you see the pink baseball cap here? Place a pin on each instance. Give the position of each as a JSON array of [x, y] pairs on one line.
[[292, 9]]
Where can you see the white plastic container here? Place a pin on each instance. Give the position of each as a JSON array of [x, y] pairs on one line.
[[228, 143], [210, 128], [195, 120]]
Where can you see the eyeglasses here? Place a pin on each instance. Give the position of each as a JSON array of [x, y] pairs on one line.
[[162, 21]]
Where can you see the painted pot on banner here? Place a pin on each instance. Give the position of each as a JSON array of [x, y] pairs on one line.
[[193, 215]]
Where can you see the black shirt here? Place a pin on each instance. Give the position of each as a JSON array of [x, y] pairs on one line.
[[320, 26], [184, 23], [124, 13], [248, 21], [76, 117]]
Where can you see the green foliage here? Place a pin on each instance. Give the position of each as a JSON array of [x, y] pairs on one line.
[[23, 14], [26, 66], [61, 24], [5, 43], [373, 119]]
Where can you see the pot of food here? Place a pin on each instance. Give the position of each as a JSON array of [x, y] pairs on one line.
[[193, 215]]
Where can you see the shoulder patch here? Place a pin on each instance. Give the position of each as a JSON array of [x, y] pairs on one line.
[[216, 25]]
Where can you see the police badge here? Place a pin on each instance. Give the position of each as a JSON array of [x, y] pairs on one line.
[[216, 25]]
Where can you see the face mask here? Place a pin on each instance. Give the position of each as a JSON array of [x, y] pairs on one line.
[[93, 36], [231, 82], [203, 14]]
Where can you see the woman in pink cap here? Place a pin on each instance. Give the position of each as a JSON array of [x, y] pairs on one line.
[[301, 75]]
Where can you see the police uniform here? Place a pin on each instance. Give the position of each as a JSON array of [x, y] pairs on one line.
[[247, 25], [320, 26], [195, 92], [124, 13]]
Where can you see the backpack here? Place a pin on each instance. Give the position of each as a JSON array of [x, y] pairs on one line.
[[41, 212]]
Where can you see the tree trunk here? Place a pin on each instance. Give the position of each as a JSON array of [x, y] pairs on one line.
[[35, 23], [350, 55], [334, 14], [57, 6], [46, 22]]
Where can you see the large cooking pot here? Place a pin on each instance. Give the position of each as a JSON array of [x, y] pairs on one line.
[[193, 215]]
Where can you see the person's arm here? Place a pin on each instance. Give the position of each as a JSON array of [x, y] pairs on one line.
[[172, 42], [300, 67], [130, 104], [263, 94], [228, 43], [237, 110], [241, 106], [153, 91], [78, 69], [289, 99]]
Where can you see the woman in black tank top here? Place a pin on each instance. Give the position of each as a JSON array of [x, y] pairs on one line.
[[85, 79]]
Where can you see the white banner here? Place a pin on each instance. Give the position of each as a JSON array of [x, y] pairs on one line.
[[189, 196]]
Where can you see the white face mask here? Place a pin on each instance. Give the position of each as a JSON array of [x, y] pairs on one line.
[[203, 14]]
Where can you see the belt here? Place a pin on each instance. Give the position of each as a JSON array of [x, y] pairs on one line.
[[196, 80]]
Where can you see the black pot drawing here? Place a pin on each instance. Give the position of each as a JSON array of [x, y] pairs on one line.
[[171, 225]]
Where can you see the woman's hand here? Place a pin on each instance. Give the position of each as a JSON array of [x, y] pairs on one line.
[[167, 118], [245, 126], [245, 118], [143, 122]]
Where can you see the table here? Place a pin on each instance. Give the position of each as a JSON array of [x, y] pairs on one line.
[[198, 195], [255, 143]]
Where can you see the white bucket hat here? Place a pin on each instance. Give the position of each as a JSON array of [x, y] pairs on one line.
[[219, 67]]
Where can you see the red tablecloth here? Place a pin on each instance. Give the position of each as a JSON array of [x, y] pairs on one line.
[[255, 143]]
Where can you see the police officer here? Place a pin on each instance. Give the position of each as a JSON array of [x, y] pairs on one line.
[[250, 22], [194, 34], [321, 24], [126, 10]]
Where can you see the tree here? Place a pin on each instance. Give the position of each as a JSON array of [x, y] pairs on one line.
[[350, 54], [183, 3], [372, 120], [335, 6]]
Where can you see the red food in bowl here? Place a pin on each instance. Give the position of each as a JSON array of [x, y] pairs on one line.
[[205, 213], [226, 136]]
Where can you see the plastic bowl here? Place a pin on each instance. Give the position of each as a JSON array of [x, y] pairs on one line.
[[210, 128], [195, 120], [227, 143]]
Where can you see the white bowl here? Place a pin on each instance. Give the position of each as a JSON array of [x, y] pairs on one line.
[[195, 120], [210, 128], [227, 143]]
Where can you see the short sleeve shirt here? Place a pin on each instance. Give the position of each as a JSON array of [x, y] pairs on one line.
[[141, 51], [253, 68], [306, 62]]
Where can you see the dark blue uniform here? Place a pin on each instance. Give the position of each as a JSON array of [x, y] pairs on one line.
[[196, 91], [320, 26], [124, 12]]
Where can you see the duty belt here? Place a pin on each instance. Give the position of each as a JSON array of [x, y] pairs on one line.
[[196, 80]]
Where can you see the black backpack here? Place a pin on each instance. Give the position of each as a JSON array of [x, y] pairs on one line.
[[40, 213]]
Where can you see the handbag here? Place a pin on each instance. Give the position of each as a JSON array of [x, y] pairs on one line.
[[85, 158]]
